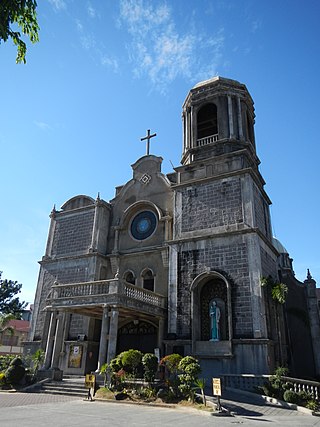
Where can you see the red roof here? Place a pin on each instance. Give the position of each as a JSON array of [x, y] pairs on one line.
[[19, 325]]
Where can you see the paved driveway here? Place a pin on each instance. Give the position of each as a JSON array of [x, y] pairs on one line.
[[39, 410]]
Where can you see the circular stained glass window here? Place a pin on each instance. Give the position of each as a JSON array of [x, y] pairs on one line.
[[143, 225]]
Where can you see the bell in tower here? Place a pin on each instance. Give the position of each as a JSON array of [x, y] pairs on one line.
[[218, 118]]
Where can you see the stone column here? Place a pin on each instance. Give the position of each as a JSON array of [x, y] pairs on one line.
[[160, 335], [184, 137], [51, 233], [172, 289], [58, 339], [239, 119], [113, 334], [50, 340], [230, 113], [103, 338], [259, 321], [314, 319], [95, 229], [193, 142], [116, 239]]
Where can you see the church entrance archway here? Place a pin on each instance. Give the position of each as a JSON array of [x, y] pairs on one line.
[[137, 335]]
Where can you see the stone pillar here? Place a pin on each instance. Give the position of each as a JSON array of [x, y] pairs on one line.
[[160, 335], [51, 233], [116, 239], [259, 322], [184, 137], [314, 319], [50, 340], [193, 133], [239, 119], [230, 113], [172, 289], [58, 339], [113, 334], [103, 338], [95, 229]]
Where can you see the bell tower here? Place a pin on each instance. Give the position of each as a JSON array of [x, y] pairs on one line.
[[218, 117], [222, 239]]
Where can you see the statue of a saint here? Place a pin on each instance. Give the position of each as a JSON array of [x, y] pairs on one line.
[[214, 312]]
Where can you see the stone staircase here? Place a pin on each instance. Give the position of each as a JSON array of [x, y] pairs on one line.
[[69, 386]]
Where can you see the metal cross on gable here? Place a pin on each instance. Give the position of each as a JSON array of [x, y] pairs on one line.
[[148, 137]]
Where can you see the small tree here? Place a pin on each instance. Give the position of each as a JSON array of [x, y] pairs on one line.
[[200, 383], [4, 323], [190, 368], [9, 303], [171, 363], [37, 359], [105, 370], [150, 365], [131, 360]]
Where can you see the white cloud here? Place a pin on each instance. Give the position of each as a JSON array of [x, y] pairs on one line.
[[91, 11], [160, 51], [255, 25], [109, 62], [87, 40], [58, 4], [42, 125]]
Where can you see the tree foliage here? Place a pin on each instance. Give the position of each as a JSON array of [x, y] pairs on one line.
[[278, 290], [4, 323], [21, 14], [9, 302]]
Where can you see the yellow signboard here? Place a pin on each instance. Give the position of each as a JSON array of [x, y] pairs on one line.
[[216, 385], [90, 381]]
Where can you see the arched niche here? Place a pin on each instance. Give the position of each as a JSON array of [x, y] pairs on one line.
[[206, 288]]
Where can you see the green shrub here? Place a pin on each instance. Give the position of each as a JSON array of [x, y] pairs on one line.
[[5, 361], [313, 405], [131, 361], [2, 379], [190, 368], [16, 362], [277, 383], [115, 364], [150, 365], [291, 396], [171, 362], [14, 374], [299, 398]]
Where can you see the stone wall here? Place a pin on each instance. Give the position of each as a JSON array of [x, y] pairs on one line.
[[231, 260], [211, 205], [73, 233], [261, 210]]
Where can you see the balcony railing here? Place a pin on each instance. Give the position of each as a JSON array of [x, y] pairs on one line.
[[86, 292], [207, 140], [249, 382]]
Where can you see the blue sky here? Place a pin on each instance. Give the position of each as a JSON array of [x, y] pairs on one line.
[[104, 72]]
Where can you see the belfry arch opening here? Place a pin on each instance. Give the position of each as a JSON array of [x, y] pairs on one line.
[[207, 121]]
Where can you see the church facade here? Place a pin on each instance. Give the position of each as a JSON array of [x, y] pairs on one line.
[[174, 263]]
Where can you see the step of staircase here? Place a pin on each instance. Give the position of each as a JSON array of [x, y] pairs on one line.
[[68, 386]]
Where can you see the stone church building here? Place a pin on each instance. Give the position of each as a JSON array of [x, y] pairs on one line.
[[144, 269]]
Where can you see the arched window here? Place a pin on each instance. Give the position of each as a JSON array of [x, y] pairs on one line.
[[207, 123], [129, 277], [148, 280]]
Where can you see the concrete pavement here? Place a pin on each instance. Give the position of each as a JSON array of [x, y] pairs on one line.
[[38, 410]]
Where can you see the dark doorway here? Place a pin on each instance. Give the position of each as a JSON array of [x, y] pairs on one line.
[[137, 335]]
